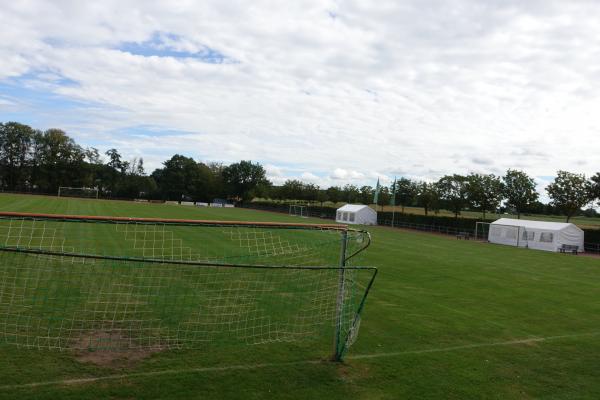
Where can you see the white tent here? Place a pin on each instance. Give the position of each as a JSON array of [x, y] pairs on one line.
[[540, 235], [356, 214]]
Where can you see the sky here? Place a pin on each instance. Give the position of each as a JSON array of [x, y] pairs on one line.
[[329, 92]]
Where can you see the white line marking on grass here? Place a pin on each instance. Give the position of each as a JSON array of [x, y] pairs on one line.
[[77, 381], [470, 346]]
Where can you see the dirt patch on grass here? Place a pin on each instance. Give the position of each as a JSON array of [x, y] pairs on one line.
[[111, 349]]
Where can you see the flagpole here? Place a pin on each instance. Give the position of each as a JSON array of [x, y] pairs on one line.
[[393, 202]]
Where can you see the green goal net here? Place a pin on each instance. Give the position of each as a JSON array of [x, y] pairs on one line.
[[74, 282]]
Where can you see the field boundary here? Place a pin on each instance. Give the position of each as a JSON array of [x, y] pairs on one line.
[[78, 381]]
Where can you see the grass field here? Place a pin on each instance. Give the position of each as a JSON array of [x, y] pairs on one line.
[[445, 319]]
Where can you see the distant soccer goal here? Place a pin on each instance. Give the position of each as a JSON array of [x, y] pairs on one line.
[[298, 211], [512, 235], [87, 282], [482, 230], [65, 191]]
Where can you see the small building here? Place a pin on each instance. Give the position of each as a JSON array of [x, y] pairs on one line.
[[356, 214], [539, 235]]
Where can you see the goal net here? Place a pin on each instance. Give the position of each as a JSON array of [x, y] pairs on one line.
[[482, 230], [65, 191], [298, 211], [512, 235], [73, 282]]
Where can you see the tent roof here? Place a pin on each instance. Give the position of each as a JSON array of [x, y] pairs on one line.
[[552, 226], [352, 207]]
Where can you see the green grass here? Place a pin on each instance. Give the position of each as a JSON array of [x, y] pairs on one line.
[[445, 319]]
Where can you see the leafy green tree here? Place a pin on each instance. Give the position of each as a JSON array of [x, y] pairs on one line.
[[453, 191], [519, 190], [335, 194], [428, 196], [384, 196], [310, 192], [180, 178], [245, 180], [406, 192], [351, 194], [115, 161], [484, 192], [569, 192], [292, 189], [366, 194], [60, 161], [594, 187], [322, 196], [15, 140]]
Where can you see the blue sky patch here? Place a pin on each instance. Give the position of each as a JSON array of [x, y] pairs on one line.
[[160, 45]]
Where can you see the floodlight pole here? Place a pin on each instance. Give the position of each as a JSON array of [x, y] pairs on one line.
[[393, 213], [338, 345]]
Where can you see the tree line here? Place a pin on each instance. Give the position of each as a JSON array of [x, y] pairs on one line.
[[41, 161], [514, 192]]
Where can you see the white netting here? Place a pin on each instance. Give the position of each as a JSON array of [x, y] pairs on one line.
[[84, 192], [80, 284]]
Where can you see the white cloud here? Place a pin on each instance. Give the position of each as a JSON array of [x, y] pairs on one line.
[[411, 88]]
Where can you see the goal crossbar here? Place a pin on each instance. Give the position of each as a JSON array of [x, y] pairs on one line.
[[96, 218], [62, 189]]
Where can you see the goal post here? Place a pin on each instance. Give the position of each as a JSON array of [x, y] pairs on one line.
[[66, 191], [512, 235], [482, 230], [89, 282], [297, 210]]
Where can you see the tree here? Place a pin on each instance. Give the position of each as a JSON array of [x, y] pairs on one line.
[[406, 191], [484, 192], [427, 196], [292, 189], [569, 192], [335, 194], [310, 192], [15, 140], [180, 178], [244, 179], [519, 190], [322, 196], [351, 194], [116, 169], [453, 190], [60, 161], [115, 162], [366, 194], [594, 187]]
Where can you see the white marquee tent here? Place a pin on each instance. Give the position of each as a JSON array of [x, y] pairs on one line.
[[356, 214], [540, 235]]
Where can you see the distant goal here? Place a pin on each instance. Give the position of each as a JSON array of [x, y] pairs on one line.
[[110, 283], [512, 235], [298, 211], [66, 191]]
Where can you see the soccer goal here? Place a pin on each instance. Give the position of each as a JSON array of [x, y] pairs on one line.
[[482, 230], [511, 235], [298, 211], [65, 191], [88, 282]]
